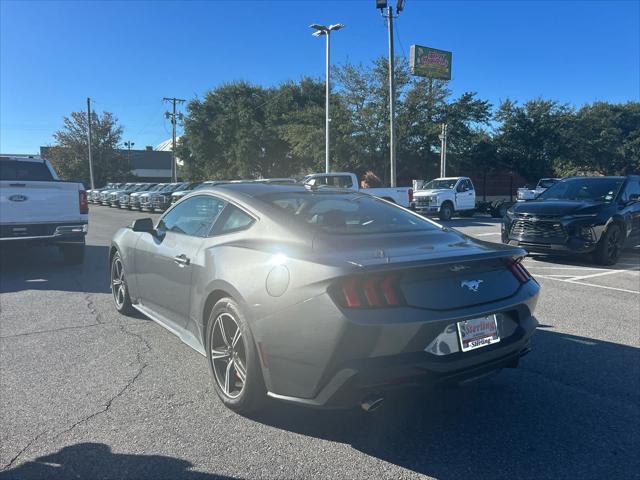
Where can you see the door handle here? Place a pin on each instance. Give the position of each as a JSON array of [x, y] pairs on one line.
[[182, 260]]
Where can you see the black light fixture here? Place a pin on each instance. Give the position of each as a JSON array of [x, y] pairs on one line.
[[399, 6], [381, 4]]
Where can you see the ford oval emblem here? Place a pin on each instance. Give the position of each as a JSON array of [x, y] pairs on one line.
[[18, 198]]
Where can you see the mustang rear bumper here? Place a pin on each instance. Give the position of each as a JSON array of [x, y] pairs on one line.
[[340, 360]]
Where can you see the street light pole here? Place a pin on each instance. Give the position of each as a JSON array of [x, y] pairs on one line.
[[327, 75], [129, 144], [392, 100], [387, 12], [89, 142], [326, 31]]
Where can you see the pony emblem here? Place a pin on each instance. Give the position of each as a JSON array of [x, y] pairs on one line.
[[472, 285]]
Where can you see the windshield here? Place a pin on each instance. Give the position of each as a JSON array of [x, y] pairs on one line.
[[347, 214], [584, 189], [547, 182], [440, 183]]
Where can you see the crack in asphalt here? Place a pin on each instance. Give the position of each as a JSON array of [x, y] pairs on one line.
[[143, 365], [24, 449], [75, 327]]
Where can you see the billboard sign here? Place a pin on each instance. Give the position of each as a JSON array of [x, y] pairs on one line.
[[430, 62]]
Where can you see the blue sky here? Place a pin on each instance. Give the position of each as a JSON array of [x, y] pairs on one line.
[[128, 55]]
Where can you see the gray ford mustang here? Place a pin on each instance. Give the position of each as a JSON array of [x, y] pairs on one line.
[[323, 297]]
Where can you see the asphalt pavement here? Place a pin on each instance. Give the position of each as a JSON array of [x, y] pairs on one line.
[[87, 393]]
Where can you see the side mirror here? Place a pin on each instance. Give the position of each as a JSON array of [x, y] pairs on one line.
[[634, 197], [143, 225]]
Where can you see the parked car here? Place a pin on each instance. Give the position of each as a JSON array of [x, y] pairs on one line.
[[175, 196], [159, 199], [105, 195], [36, 207], [135, 198], [525, 194], [93, 196], [324, 297], [598, 215], [402, 196], [181, 192], [114, 196], [124, 199]]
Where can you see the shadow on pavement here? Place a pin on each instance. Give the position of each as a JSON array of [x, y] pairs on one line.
[[581, 422], [43, 268], [89, 461], [471, 222], [628, 257]]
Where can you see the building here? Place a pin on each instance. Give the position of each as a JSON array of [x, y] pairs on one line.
[[149, 165]]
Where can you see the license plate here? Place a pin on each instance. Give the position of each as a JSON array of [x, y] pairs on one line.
[[478, 332]]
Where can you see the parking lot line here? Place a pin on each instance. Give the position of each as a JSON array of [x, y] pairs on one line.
[[487, 234], [606, 287], [593, 275]]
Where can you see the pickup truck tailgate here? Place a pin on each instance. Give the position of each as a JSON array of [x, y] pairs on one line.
[[38, 202]]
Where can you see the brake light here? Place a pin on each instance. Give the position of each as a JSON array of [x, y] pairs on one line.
[[82, 200], [518, 270], [368, 292], [410, 195]]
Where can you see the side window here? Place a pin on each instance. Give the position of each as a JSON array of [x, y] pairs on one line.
[[342, 181], [192, 217], [469, 185], [461, 186], [233, 220], [632, 188]]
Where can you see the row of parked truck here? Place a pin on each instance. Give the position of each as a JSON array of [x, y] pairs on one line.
[[441, 197]]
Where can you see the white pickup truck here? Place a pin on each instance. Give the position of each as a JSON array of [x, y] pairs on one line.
[[401, 195], [525, 193], [37, 208], [446, 196]]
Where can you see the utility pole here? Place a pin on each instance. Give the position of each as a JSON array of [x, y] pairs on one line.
[[321, 30], [172, 115], [387, 12], [443, 151], [89, 141]]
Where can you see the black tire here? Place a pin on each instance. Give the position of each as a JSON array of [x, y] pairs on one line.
[[610, 246], [243, 396], [73, 254], [446, 211], [119, 288]]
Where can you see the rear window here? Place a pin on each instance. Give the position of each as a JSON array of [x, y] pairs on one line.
[[348, 214], [17, 170]]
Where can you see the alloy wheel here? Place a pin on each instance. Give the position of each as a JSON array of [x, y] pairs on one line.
[[228, 355], [613, 243], [118, 285]]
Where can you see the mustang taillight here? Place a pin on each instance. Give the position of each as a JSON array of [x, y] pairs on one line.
[[371, 292], [519, 271], [82, 200]]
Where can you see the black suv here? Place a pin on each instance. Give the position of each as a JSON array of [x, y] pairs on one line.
[[599, 215]]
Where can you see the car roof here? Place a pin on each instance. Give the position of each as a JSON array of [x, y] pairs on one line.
[[254, 189], [593, 177]]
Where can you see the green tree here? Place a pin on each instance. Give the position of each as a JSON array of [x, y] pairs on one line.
[[605, 139], [533, 136], [70, 157]]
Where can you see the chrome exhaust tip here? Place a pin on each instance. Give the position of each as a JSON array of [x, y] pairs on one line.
[[371, 403]]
